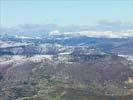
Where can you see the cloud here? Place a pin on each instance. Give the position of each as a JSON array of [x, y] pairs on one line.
[[113, 25], [111, 22]]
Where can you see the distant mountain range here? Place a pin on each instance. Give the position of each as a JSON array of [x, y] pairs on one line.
[[112, 29]]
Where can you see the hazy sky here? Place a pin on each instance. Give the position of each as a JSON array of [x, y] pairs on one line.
[[64, 12]]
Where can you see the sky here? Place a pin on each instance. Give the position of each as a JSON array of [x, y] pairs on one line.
[[64, 12]]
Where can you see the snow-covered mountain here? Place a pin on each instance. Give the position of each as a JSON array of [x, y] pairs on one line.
[[108, 29], [98, 34]]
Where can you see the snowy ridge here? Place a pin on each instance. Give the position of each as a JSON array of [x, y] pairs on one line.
[[98, 34]]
